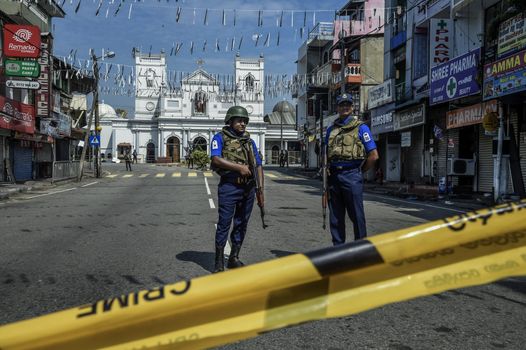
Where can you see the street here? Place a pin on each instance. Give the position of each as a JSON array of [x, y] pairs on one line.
[[130, 231]]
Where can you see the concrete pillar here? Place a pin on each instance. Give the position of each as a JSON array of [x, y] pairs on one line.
[[210, 136], [113, 143], [160, 145], [262, 146]]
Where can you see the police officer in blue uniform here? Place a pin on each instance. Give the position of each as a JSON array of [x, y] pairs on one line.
[[351, 151], [233, 154]]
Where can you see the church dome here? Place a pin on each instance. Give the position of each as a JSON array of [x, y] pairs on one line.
[[106, 111], [284, 107]]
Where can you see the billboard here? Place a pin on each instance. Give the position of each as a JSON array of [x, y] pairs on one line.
[[16, 116], [21, 41], [505, 76]]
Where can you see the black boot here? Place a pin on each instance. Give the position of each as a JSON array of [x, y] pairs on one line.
[[233, 260], [220, 260]]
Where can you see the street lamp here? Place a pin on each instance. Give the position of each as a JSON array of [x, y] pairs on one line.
[[94, 109]]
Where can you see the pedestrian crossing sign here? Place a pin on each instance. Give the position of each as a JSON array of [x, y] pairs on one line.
[[94, 140]]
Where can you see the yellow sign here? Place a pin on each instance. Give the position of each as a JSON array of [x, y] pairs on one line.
[[465, 250], [491, 121]]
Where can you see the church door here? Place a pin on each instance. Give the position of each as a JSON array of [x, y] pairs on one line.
[[172, 149]]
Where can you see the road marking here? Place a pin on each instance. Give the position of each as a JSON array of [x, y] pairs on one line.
[[192, 174], [176, 175], [144, 175], [128, 175], [160, 175], [48, 194], [91, 183], [416, 204], [208, 174], [212, 205], [207, 187], [112, 175], [270, 175]]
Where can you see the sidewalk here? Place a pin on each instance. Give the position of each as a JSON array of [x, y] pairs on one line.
[[423, 193], [9, 189]]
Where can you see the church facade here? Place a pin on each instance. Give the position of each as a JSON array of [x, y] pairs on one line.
[[170, 120]]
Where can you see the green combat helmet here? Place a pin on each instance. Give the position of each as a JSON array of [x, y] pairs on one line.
[[236, 111]]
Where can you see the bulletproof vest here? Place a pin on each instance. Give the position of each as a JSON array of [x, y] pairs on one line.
[[344, 142], [235, 147]]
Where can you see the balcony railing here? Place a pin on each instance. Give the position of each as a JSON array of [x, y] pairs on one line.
[[353, 73]]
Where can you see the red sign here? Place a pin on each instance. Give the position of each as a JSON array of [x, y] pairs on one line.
[[21, 41], [16, 116]]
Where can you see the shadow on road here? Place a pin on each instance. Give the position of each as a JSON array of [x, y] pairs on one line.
[[203, 259], [281, 253]]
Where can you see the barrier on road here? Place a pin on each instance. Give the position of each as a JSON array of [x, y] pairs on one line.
[[465, 250]]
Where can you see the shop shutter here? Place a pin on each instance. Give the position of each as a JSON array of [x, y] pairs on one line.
[[485, 162], [2, 169], [44, 154], [23, 163]]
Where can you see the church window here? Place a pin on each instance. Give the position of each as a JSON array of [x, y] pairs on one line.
[[150, 78], [200, 100], [249, 83]]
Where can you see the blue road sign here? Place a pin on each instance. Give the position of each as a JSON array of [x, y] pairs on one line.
[[94, 140]]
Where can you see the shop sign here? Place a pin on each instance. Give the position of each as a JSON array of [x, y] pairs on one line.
[[16, 116], [381, 94], [382, 119], [440, 41], [43, 94], [469, 115], [505, 76], [455, 79], [22, 84], [21, 41], [19, 68], [405, 139], [410, 117], [512, 35]]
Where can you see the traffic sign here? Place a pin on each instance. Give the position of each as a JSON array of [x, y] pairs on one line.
[[94, 140], [20, 68], [22, 84]]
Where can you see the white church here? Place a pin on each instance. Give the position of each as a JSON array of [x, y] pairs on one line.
[[167, 121]]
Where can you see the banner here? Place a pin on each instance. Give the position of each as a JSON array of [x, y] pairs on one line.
[[456, 252], [16, 116], [382, 119], [512, 35], [43, 95], [455, 79], [505, 76], [21, 41]]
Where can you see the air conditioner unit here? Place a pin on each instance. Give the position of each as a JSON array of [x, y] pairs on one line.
[[461, 167]]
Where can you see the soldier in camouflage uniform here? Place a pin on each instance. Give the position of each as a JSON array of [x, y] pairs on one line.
[[232, 153], [350, 152]]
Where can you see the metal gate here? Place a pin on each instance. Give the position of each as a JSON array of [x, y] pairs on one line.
[[22, 163]]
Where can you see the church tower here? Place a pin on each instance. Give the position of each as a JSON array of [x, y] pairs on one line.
[[249, 74], [150, 83]]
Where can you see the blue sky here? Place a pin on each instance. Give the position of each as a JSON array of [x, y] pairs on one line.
[[152, 23]]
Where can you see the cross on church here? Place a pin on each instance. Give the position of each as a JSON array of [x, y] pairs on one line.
[[200, 63]]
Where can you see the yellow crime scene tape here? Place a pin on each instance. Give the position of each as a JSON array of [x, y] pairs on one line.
[[461, 251]]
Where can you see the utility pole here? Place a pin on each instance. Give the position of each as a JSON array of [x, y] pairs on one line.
[[342, 60], [96, 110]]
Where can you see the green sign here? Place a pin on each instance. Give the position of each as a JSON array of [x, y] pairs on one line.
[[19, 68]]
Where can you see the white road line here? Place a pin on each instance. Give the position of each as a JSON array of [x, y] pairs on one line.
[[207, 187], [177, 174], [128, 175], [212, 205], [416, 204], [192, 174], [270, 175], [112, 175], [144, 175], [48, 194], [208, 174], [91, 183], [160, 175]]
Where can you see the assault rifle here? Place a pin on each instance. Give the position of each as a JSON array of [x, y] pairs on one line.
[[259, 189], [325, 188]]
